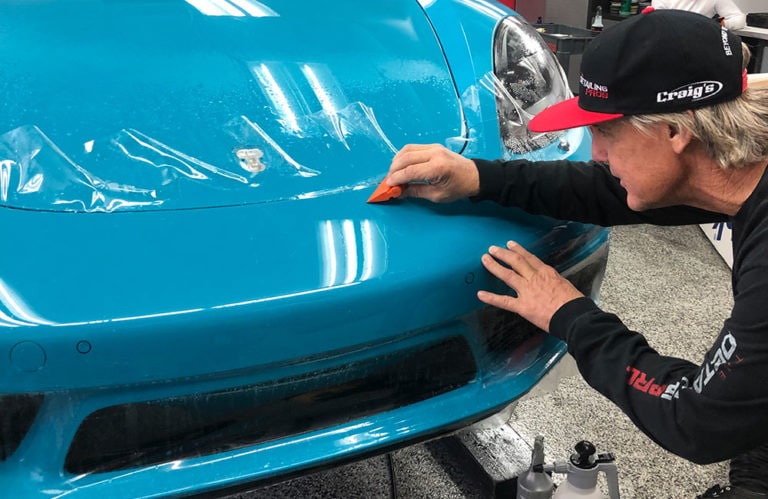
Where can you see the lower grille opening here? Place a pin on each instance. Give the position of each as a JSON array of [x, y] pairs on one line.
[[17, 412], [158, 431]]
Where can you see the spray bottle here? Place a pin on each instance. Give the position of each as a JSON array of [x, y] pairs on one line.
[[582, 470], [535, 484], [597, 22]]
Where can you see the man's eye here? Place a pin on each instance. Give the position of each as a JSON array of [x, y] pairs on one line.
[[604, 130], [597, 129]]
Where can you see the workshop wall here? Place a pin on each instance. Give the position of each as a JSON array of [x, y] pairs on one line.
[[748, 6]]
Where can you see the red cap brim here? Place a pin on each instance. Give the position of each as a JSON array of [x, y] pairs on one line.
[[567, 114]]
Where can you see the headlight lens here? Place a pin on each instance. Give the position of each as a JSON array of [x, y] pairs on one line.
[[527, 79]]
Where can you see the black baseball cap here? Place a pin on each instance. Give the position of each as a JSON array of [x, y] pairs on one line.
[[660, 61]]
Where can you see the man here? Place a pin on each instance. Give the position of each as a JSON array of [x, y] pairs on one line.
[[725, 11], [677, 139]]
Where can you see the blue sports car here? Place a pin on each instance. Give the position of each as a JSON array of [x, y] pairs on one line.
[[194, 293]]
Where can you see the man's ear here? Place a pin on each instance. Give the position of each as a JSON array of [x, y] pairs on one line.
[[679, 137]]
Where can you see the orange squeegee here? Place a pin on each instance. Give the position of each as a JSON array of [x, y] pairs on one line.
[[385, 192]]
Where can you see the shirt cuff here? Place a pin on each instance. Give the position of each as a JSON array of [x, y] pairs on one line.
[[562, 322], [491, 176]]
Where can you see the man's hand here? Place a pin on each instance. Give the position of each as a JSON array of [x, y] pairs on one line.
[[433, 172], [541, 291]]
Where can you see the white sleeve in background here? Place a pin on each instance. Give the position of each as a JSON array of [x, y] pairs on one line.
[[734, 17], [660, 4], [703, 7]]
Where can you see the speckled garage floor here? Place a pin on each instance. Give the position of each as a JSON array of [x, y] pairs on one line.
[[668, 283]]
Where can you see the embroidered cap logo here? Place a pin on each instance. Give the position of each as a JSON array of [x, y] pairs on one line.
[[593, 89], [692, 92]]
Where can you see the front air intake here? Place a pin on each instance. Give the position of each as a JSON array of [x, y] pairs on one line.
[[158, 431]]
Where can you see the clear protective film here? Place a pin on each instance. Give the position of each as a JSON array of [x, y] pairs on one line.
[[36, 174]]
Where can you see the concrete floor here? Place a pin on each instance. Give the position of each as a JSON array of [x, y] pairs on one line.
[[668, 283]]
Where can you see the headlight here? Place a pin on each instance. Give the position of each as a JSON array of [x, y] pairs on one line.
[[527, 79]]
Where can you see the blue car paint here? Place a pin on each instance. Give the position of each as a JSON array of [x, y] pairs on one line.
[[226, 286]]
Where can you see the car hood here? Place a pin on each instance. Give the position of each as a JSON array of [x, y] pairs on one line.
[[135, 105]]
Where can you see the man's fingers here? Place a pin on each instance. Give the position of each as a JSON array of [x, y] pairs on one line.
[[447, 175], [410, 155], [515, 258], [532, 260], [507, 275], [505, 302], [411, 167], [414, 174], [415, 191]]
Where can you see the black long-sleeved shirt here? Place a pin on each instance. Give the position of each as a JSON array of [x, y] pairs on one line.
[[707, 412]]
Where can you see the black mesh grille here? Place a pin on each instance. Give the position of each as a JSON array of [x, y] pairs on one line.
[[17, 412], [147, 433]]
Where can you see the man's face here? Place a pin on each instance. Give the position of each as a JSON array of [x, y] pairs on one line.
[[647, 167]]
